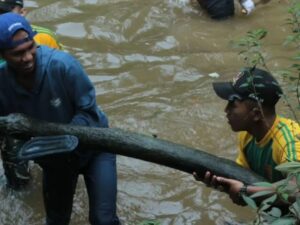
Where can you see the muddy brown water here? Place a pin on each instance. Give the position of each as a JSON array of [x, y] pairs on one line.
[[153, 63]]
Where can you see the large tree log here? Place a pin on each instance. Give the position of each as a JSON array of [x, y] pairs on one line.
[[131, 144]]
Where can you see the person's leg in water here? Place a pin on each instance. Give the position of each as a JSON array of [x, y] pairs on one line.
[[59, 186], [16, 171], [218, 9], [101, 181], [100, 175]]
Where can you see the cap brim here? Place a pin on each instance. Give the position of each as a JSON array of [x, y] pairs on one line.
[[224, 90]]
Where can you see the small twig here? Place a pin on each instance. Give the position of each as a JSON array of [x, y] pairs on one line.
[[298, 84]]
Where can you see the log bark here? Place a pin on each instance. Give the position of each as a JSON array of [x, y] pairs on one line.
[[131, 144]]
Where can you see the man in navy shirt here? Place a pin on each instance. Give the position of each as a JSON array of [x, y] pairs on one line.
[[17, 172], [50, 85]]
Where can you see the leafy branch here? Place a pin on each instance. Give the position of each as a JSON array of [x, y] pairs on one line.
[[251, 48], [286, 191], [293, 72]]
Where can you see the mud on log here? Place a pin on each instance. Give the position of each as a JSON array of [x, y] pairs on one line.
[[131, 144]]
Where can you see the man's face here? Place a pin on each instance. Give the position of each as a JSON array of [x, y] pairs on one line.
[[21, 58], [19, 10], [239, 115]]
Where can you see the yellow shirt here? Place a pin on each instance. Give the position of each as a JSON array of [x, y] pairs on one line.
[[46, 37], [279, 145]]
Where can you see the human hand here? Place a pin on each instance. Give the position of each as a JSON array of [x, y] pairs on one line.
[[210, 180], [233, 189], [230, 186]]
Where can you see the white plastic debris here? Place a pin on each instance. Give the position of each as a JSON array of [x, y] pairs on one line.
[[248, 6], [214, 75]]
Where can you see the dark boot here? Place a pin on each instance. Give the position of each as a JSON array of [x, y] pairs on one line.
[[16, 172]]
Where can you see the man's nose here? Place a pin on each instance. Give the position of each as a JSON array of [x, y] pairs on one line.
[[27, 56]]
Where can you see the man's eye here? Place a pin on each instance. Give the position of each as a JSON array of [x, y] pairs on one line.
[[17, 54], [31, 46]]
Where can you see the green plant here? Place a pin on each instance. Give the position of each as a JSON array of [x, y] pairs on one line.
[[293, 73], [251, 48], [285, 195], [150, 222]]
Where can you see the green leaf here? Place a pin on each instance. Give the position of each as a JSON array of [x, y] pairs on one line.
[[259, 85], [244, 85], [249, 201], [285, 196], [284, 221], [268, 219], [262, 193], [298, 179], [295, 207], [288, 167], [280, 183], [263, 184], [298, 202], [149, 222], [275, 212], [270, 200], [295, 66], [264, 207]]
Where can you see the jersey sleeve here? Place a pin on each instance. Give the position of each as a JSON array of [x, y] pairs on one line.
[[287, 142]]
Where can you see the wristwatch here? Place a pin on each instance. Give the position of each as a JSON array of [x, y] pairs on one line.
[[243, 190]]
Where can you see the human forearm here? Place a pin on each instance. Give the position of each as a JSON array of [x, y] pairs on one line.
[[251, 189]]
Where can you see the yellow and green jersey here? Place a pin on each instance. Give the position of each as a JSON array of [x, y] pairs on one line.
[[46, 37], [279, 145]]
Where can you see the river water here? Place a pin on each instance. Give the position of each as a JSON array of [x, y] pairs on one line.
[[153, 62]]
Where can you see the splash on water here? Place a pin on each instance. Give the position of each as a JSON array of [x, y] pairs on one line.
[[179, 2]]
